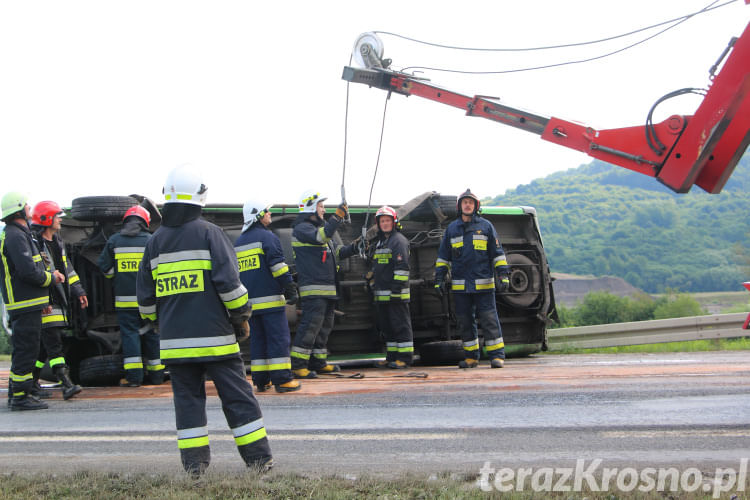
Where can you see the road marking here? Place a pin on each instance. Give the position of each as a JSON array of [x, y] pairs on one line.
[[57, 438], [676, 433]]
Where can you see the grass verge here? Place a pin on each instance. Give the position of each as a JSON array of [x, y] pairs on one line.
[[738, 344], [251, 486]]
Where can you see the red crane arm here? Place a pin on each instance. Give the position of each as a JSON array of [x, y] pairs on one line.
[[701, 149]]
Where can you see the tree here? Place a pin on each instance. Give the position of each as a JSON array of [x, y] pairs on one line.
[[678, 306]]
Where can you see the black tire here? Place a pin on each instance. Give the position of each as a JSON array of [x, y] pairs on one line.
[[426, 210], [101, 370], [101, 208], [443, 352], [525, 281]]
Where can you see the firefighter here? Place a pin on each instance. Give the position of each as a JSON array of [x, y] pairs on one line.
[[315, 258], [472, 252], [189, 283], [269, 288], [119, 261], [45, 222], [25, 286], [390, 267]]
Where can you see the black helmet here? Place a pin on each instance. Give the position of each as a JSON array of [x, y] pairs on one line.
[[468, 194]]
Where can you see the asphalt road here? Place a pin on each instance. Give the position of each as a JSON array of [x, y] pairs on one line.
[[654, 410]]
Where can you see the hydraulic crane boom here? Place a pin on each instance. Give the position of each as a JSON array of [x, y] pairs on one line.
[[701, 149]]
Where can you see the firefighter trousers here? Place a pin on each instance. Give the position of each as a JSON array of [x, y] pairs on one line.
[[395, 323], [133, 344], [51, 348], [471, 307], [27, 327], [309, 349], [269, 348], [240, 408]]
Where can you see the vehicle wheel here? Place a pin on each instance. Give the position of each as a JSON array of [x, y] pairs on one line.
[[525, 281], [443, 352], [101, 370], [101, 208]]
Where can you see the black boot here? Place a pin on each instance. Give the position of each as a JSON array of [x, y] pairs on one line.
[[36, 389], [69, 388], [27, 402], [10, 391]]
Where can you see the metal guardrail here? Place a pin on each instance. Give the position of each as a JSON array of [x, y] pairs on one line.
[[716, 326]]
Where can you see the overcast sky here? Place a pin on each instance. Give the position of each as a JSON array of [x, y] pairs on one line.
[[101, 97]]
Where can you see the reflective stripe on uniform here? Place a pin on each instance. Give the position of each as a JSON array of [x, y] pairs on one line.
[[317, 290], [457, 242], [199, 347], [484, 283], [442, 262], [262, 365], [132, 363], [458, 285], [56, 361], [154, 365], [382, 295], [299, 352], [267, 302], [55, 316], [249, 433], [320, 353], [494, 344], [20, 378], [279, 269], [321, 236], [192, 438], [405, 347], [472, 345], [236, 298], [401, 275], [126, 301], [499, 261], [391, 346]]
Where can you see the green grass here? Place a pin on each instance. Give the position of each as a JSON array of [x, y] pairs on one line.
[[4, 357], [738, 344], [94, 485]]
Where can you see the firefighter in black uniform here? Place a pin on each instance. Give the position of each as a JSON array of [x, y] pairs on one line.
[[45, 222], [119, 260], [390, 267], [189, 282], [315, 258], [25, 286]]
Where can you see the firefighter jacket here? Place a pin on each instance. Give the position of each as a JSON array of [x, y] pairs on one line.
[[121, 259], [188, 281], [315, 255], [473, 254], [390, 267], [262, 268], [25, 281], [62, 295]]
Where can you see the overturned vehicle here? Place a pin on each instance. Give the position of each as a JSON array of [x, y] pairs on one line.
[[92, 345]]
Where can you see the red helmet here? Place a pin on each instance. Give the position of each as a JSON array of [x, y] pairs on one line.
[[386, 210], [44, 211], [468, 194], [138, 211]]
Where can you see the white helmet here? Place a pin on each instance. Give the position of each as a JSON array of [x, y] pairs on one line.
[[308, 202], [184, 184], [253, 211]]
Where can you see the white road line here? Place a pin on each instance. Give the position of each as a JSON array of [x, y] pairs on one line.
[[676, 433], [57, 438]]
